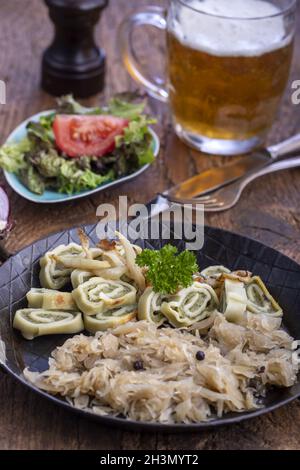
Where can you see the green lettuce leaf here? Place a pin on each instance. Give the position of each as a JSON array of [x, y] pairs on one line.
[[66, 174], [136, 140], [67, 105], [32, 180], [136, 131], [47, 163], [117, 106], [72, 180], [145, 155], [123, 109], [41, 133], [12, 156]]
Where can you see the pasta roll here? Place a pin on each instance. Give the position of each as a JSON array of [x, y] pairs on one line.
[[50, 299], [110, 319], [190, 305], [234, 300], [98, 295], [213, 275], [38, 322], [149, 307], [214, 271], [56, 271], [79, 277], [52, 274], [260, 300]]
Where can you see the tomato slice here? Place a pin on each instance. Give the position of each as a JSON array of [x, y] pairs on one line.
[[78, 135]]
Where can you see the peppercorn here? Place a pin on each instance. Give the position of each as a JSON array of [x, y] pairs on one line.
[[261, 370], [200, 356], [138, 365]]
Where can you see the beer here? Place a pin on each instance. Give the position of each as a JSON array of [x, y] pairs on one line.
[[227, 64], [226, 74]]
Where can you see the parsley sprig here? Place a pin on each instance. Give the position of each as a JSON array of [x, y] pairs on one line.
[[167, 271]]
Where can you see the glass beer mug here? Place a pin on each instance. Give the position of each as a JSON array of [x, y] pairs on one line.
[[227, 66]]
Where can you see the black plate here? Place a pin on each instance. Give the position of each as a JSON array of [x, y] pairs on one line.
[[19, 273]]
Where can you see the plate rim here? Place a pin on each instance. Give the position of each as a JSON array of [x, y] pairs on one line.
[[67, 198], [134, 425]]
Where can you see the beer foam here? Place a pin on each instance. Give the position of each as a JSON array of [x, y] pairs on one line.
[[222, 28]]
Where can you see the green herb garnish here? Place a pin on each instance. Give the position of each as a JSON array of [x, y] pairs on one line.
[[168, 271]]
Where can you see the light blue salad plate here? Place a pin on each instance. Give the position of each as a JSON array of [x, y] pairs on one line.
[[51, 197]]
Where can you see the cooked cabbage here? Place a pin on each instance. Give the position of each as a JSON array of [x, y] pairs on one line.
[[153, 374]]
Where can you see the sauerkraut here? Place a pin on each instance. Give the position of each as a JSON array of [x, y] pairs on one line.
[[168, 375]]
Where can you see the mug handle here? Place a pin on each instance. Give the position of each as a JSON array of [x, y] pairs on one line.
[[154, 16]]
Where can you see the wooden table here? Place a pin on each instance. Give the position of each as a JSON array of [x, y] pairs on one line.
[[268, 211]]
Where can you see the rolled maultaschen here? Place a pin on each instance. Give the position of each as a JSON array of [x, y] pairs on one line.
[[149, 307], [212, 275], [58, 264], [246, 294], [110, 318], [54, 275], [97, 295], [190, 305], [49, 299], [233, 299], [259, 299], [38, 322], [214, 271], [79, 277]]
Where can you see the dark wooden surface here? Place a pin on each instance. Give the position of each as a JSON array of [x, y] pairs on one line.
[[268, 211]]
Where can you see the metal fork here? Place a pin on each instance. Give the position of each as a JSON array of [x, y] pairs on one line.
[[225, 198]]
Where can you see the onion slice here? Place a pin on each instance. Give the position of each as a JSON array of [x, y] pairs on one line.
[[4, 213]]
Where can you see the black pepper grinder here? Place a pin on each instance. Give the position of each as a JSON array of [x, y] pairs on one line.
[[73, 63]]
